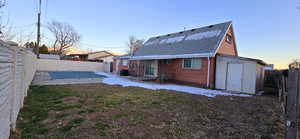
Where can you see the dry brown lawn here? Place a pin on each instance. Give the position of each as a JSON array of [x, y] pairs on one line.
[[103, 111]]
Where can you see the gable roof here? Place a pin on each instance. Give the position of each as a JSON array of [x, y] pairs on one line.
[[198, 42], [103, 51], [99, 54]]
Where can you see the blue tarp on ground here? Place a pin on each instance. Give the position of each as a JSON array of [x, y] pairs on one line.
[[74, 75]]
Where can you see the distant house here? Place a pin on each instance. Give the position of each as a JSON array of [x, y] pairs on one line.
[[101, 56], [49, 56], [76, 57], [195, 57], [269, 67]]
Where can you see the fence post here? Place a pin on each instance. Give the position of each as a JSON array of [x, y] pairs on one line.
[[291, 118], [13, 92]]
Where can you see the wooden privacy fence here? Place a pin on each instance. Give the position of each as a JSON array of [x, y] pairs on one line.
[[17, 68], [289, 90]]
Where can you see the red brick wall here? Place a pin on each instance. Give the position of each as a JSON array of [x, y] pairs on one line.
[[228, 47], [188, 76], [136, 68], [175, 72]]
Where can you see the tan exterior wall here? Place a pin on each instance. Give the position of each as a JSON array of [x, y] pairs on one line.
[[107, 59]]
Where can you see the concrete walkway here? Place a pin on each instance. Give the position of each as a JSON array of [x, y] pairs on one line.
[[43, 78]]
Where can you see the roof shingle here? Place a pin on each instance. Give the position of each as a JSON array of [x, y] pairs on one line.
[[201, 41]]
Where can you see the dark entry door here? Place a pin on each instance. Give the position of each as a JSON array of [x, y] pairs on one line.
[[111, 66]]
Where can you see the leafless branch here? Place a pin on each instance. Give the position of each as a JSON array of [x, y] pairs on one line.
[[295, 64], [134, 44], [65, 36]]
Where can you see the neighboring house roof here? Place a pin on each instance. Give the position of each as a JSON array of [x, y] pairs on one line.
[[73, 50], [269, 67], [126, 56], [199, 42], [103, 51], [77, 55], [99, 54]]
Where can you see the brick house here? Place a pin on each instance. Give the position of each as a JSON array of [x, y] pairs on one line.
[[187, 57]]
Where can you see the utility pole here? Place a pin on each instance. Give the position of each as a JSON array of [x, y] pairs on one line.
[[38, 29]]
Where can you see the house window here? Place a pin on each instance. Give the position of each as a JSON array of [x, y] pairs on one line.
[[167, 61], [228, 38], [124, 62], [149, 68], [192, 63]]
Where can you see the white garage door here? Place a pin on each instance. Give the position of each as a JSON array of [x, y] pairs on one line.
[[234, 77]]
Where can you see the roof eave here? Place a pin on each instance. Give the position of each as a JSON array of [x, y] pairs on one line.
[[155, 57]]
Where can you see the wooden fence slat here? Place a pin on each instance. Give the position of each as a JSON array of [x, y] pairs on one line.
[[291, 118]]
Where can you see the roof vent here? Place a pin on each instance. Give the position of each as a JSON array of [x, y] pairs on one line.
[[210, 26], [193, 29]]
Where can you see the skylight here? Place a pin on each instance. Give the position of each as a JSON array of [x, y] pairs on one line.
[[202, 35], [172, 39], [151, 42]]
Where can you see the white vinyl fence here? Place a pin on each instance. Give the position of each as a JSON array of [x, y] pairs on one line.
[[66, 65], [17, 68]]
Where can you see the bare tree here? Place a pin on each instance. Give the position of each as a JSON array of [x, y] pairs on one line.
[[22, 36], [5, 29], [65, 36], [295, 64], [6, 32], [134, 44]]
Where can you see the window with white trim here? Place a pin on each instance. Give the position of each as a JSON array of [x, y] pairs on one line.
[[167, 61], [124, 62], [228, 38], [192, 63]]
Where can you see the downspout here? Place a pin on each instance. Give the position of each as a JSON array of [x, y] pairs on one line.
[[208, 72]]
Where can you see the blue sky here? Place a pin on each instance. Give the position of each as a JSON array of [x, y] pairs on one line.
[[264, 29]]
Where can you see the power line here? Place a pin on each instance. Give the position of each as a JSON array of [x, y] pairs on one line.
[[35, 6], [46, 10], [23, 26], [39, 28], [101, 46]]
